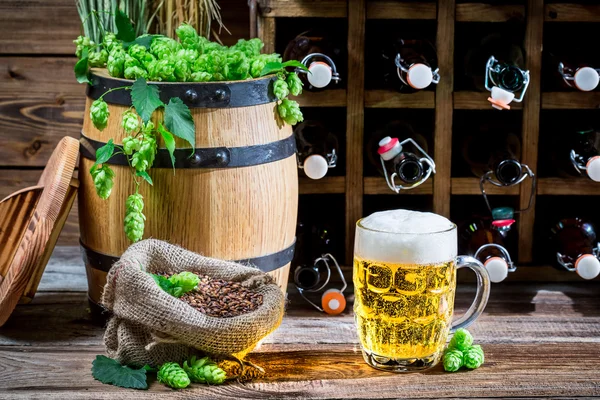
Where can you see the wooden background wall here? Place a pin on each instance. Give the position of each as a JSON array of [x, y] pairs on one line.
[[40, 100]]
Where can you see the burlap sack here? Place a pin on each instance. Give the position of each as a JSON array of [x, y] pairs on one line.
[[149, 326]]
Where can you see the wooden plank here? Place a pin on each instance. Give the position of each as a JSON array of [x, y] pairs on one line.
[[328, 184], [325, 98], [390, 99], [324, 371], [570, 100], [470, 186], [485, 12], [568, 186], [304, 8], [466, 100], [15, 179], [400, 10], [571, 12], [444, 109], [531, 122], [377, 185], [266, 32]]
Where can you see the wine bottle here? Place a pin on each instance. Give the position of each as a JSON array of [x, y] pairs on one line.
[[409, 65], [486, 242], [316, 148], [577, 247], [497, 65], [585, 153], [319, 54], [582, 77]]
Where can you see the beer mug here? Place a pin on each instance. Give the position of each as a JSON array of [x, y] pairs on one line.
[[405, 266]]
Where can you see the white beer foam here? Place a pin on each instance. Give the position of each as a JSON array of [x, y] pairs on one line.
[[406, 237]]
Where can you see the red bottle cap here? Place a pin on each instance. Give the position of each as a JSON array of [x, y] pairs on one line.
[[388, 146], [503, 223]]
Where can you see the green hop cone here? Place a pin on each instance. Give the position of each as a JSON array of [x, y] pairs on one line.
[[452, 360], [98, 58], [187, 281], [81, 43], [461, 340], [280, 89], [163, 47], [131, 144], [200, 76], [238, 66], [189, 37], [109, 41], [289, 111], [99, 114], [294, 84], [473, 357], [135, 73], [134, 218], [103, 180], [250, 48], [116, 62], [171, 374], [130, 121], [144, 157], [204, 370]]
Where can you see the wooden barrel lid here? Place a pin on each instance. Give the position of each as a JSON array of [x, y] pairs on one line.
[[30, 222]]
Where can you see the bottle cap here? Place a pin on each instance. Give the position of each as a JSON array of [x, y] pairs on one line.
[[593, 168], [501, 98], [333, 302], [419, 76], [389, 148], [587, 266], [503, 223], [497, 269], [500, 213], [586, 79], [319, 74], [315, 166]]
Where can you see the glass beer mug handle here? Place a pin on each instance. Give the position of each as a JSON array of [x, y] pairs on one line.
[[483, 292]]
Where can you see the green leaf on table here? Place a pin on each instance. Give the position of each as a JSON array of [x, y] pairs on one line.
[[144, 40], [144, 174], [125, 31], [109, 371], [81, 68], [145, 98], [295, 63], [271, 67], [169, 140], [104, 153], [179, 121]]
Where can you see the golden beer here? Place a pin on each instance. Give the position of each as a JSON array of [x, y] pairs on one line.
[[405, 265], [403, 311]]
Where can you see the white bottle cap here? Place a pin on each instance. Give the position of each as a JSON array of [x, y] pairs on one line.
[[319, 74], [389, 148], [315, 166], [497, 269], [586, 79], [501, 98], [587, 266], [419, 76], [593, 168]]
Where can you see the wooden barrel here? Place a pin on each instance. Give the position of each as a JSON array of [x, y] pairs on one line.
[[236, 198]]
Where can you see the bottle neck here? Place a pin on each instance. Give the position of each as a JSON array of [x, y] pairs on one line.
[[509, 77], [408, 167]]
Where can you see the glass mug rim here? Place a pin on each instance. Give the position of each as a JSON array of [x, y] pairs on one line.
[[361, 226]]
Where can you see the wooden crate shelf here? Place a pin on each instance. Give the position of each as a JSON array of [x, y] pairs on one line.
[[571, 12], [466, 100], [570, 100], [484, 12], [326, 185], [401, 10], [304, 8], [391, 99], [470, 186], [326, 98], [568, 186], [377, 185]]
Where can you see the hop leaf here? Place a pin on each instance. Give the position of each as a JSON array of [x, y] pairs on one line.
[[134, 218], [280, 89], [473, 357], [109, 371], [99, 114], [461, 340], [130, 122], [103, 180], [204, 370], [289, 111], [453, 360], [294, 84], [171, 374]]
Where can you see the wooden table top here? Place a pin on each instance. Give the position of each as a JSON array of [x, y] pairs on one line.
[[539, 340]]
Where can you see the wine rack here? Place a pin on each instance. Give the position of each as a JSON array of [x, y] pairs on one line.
[[355, 186]]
